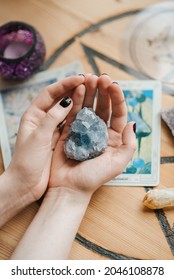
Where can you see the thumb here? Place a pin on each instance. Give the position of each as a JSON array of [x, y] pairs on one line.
[[56, 115], [129, 141], [129, 136]]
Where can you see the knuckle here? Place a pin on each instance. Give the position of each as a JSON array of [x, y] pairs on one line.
[[46, 90], [51, 114], [26, 116], [133, 146], [55, 115]]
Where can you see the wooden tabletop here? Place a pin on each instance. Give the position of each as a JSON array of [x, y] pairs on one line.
[[116, 225]]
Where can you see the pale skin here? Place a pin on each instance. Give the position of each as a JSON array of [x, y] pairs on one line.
[[70, 183], [27, 176]]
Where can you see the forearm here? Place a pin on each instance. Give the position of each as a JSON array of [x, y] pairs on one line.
[[54, 227], [12, 197]]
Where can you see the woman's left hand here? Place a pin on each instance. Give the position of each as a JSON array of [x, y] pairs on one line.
[[37, 137]]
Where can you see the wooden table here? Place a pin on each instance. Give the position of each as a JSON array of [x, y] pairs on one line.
[[116, 225]]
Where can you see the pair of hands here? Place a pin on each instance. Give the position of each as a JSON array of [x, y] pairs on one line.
[[39, 159]]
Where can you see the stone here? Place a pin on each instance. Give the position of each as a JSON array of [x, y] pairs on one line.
[[168, 117], [87, 137]]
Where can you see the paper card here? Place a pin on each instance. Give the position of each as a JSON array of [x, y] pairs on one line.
[[143, 99]]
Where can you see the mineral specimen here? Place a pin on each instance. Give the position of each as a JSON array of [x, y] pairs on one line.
[[168, 117], [159, 198], [88, 136]]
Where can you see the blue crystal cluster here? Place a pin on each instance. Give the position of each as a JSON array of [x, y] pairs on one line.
[[88, 136]]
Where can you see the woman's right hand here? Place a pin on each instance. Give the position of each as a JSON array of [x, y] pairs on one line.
[[90, 174]]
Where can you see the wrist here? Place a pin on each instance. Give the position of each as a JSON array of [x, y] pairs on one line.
[[13, 197], [78, 197], [55, 225], [20, 187], [19, 184]]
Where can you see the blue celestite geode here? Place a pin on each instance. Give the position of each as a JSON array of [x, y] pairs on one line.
[[88, 136]]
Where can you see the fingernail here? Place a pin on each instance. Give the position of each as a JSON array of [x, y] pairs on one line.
[[104, 74], [115, 83], [65, 102], [82, 75], [134, 127]]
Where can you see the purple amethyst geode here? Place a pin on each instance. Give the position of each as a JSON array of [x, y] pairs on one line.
[[22, 50], [88, 136]]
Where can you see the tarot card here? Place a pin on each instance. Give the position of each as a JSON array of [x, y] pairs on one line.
[[16, 98], [143, 99]]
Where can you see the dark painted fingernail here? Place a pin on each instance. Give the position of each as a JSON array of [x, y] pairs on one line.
[[134, 127], [104, 74], [82, 75], [115, 83], [65, 102]]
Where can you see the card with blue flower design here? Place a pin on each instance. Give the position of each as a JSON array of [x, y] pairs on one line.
[[143, 99]]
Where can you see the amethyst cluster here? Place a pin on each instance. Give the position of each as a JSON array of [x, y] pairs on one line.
[[22, 50]]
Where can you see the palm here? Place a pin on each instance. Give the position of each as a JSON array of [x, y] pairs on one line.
[[71, 172], [90, 174]]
